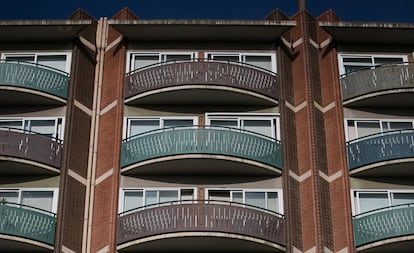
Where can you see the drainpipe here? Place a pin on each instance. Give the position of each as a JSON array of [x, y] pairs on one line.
[[302, 5]]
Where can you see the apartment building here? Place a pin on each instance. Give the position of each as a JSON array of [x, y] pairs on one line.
[[287, 134]]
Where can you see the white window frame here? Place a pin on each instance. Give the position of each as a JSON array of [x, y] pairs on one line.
[[380, 121], [244, 190], [274, 118], [355, 204], [20, 190], [57, 131], [144, 189], [343, 55], [161, 56], [68, 55], [127, 120], [242, 56]]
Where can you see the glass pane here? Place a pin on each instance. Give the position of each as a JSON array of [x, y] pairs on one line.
[[21, 58], [46, 127], [133, 199], [151, 197], [54, 61], [351, 130], [388, 60], [237, 196], [11, 196], [264, 62], [219, 195], [371, 201], [358, 60], [272, 201], [256, 199], [224, 123], [402, 198], [39, 199], [11, 123], [352, 68], [166, 196], [141, 61], [177, 57], [365, 128], [231, 58], [389, 126], [142, 126], [177, 122], [187, 194], [259, 126]]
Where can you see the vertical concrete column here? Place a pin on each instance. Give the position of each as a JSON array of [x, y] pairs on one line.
[[73, 190], [310, 110]]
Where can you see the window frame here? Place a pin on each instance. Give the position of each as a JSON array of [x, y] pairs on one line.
[[242, 56], [343, 55], [51, 189], [58, 133], [161, 54], [36, 54]]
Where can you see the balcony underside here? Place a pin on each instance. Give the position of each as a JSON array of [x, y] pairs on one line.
[[10, 96], [201, 94], [200, 242], [10, 166], [201, 164], [403, 244], [18, 244], [396, 98], [398, 167]]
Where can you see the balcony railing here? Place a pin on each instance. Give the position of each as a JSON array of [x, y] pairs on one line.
[[202, 72], [201, 140], [31, 146], [380, 147], [201, 216], [27, 222], [384, 223], [376, 79], [35, 77]]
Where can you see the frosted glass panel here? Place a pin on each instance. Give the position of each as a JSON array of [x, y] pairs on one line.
[[11, 124], [371, 201], [259, 126], [133, 199], [272, 201], [231, 58], [177, 57], [141, 61], [264, 62], [12, 197], [142, 126], [168, 196], [38, 199], [256, 199], [177, 122], [402, 198], [187, 194], [389, 126], [237, 197], [46, 127], [219, 195], [365, 128], [54, 61], [21, 58], [224, 123], [150, 197]]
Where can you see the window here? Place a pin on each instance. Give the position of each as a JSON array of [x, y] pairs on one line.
[[140, 60], [364, 127], [261, 124], [270, 200], [354, 62], [262, 60], [52, 127], [44, 199], [57, 60], [136, 126], [135, 198], [365, 201]]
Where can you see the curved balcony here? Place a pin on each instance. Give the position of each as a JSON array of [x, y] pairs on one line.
[[23, 83], [389, 229], [24, 152], [26, 229], [383, 154], [201, 150], [390, 85], [216, 226], [198, 82]]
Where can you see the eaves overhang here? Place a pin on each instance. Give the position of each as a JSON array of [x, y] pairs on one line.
[[370, 32], [202, 30], [41, 30]]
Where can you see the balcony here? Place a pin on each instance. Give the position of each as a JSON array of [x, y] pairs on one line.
[[27, 153], [384, 154], [197, 82], [216, 226], [389, 229], [390, 85], [26, 229], [23, 83], [203, 150]]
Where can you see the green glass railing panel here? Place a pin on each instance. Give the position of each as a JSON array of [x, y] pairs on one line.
[[26, 223], [35, 77], [177, 141], [384, 224], [380, 147]]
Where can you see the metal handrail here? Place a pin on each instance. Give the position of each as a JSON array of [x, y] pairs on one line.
[[19, 205], [24, 131], [35, 64], [199, 201], [200, 60], [374, 67], [380, 134]]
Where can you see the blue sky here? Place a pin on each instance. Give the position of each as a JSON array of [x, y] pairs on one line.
[[348, 10]]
